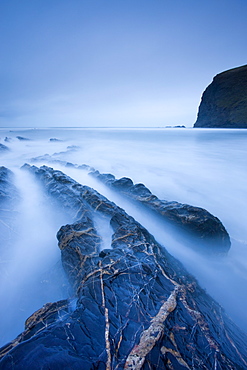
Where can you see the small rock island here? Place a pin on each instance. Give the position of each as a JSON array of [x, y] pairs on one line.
[[224, 102]]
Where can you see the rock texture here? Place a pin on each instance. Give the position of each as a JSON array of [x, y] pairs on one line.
[[8, 201], [134, 305], [224, 102], [205, 231]]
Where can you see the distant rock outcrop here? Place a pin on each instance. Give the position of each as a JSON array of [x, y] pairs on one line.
[[224, 102]]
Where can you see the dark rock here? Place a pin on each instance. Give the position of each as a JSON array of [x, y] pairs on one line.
[[197, 223], [224, 102], [3, 148], [123, 183], [49, 159], [55, 140], [21, 138], [7, 139], [8, 190], [9, 199], [135, 306]]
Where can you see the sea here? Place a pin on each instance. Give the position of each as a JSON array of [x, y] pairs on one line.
[[201, 167]]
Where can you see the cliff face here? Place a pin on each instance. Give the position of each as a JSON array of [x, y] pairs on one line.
[[224, 102]]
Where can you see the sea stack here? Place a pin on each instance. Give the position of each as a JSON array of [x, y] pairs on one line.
[[224, 102]]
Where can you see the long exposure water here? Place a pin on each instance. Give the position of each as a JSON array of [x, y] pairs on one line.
[[201, 167]]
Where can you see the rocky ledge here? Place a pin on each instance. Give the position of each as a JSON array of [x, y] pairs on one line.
[[224, 102], [134, 305], [200, 229]]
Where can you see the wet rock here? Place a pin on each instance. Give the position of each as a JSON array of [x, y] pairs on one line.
[[53, 139], [21, 138], [9, 199], [8, 139], [135, 306], [8, 191], [50, 159], [3, 148], [205, 231]]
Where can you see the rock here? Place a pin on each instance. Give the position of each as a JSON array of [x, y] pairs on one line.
[[53, 139], [49, 159], [9, 199], [8, 139], [21, 138], [3, 148], [73, 147], [206, 233], [8, 192], [135, 306], [224, 102]]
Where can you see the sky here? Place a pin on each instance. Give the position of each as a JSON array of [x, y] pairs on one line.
[[114, 63]]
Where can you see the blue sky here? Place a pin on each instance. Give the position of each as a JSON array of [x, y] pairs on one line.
[[114, 62]]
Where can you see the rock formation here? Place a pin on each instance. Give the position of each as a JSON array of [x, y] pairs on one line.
[[224, 102], [21, 138], [8, 201], [3, 148], [134, 305], [205, 231], [195, 226], [8, 191]]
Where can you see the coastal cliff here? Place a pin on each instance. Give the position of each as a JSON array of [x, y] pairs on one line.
[[224, 102]]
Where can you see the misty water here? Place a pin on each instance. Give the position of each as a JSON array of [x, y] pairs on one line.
[[201, 167]]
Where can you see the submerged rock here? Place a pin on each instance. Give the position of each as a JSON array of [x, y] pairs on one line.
[[49, 159], [205, 231], [224, 102], [134, 305], [8, 139], [3, 148], [21, 138]]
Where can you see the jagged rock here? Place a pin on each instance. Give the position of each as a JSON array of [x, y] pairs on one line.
[[224, 102], [135, 306], [206, 231]]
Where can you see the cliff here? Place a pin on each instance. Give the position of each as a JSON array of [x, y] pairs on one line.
[[224, 102]]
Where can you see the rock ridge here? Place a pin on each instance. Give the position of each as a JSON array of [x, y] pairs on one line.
[[134, 305], [206, 231]]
